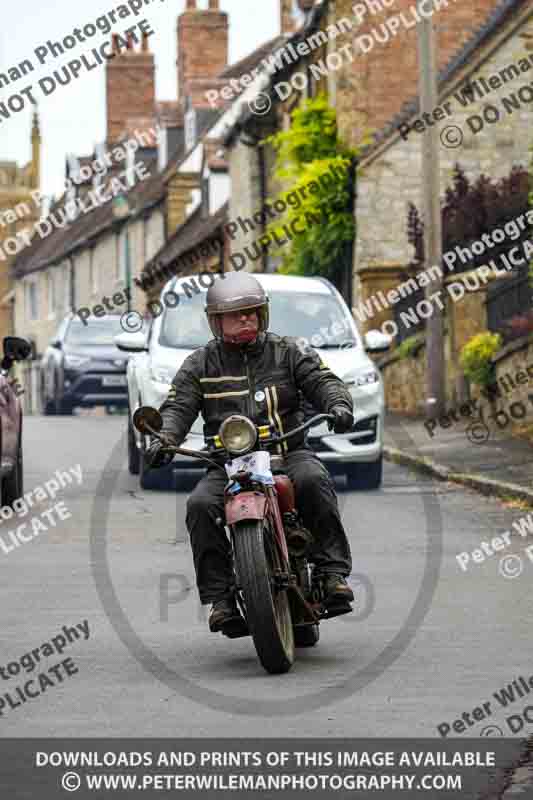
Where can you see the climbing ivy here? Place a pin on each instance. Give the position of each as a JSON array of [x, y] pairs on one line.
[[319, 212]]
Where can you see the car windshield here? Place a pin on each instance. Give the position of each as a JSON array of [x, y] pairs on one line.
[[95, 332], [318, 318]]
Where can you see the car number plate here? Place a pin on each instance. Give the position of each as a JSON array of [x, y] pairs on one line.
[[257, 463], [114, 380]]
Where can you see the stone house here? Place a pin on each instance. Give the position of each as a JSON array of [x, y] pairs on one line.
[[496, 61], [19, 210], [251, 162], [90, 254]]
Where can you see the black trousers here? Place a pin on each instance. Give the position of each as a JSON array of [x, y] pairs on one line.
[[315, 499]]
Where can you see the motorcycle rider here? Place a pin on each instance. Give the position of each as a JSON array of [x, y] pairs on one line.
[[247, 370]]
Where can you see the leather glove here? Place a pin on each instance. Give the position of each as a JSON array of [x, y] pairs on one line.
[[343, 421], [157, 454]]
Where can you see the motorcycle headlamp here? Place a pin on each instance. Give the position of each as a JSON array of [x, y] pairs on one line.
[[238, 434]]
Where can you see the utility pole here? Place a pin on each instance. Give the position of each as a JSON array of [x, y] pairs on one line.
[[427, 65]]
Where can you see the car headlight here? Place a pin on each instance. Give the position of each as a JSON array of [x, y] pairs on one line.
[[162, 375], [72, 361], [363, 378], [238, 434]]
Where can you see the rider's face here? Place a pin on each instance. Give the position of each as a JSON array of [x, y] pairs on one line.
[[237, 323]]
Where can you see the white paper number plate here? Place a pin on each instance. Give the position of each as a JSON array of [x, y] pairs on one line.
[[257, 463]]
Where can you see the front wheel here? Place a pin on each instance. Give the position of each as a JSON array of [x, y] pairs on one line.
[[267, 606]]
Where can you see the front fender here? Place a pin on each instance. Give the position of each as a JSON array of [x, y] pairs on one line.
[[245, 506]]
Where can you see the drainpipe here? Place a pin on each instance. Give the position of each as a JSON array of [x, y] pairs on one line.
[[72, 286], [262, 195], [350, 254]]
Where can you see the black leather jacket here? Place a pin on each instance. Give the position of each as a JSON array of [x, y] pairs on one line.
[[264, 380]]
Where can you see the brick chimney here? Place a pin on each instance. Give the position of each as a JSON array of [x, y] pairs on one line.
[[130, 86], [202, 46]]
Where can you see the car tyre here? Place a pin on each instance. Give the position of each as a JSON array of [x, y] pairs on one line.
[[366, 476], [13, 484], [48, 406], [64, 407], [134, 457]]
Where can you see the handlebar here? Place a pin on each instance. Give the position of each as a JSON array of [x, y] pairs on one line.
[[301, 428], [316, 420]]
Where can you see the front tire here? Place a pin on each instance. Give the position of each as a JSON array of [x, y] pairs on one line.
[[365, 476], [267, 611]]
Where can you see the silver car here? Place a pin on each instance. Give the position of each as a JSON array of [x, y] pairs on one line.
[[309, 309]]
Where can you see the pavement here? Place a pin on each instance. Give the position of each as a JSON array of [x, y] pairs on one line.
[[490, 463], [500, 467]]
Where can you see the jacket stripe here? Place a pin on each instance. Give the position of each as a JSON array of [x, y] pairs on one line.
[[270, 415], [284, 445], [224, 378], [226, 394]]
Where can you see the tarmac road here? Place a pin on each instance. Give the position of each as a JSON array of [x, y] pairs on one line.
[[427, 642]]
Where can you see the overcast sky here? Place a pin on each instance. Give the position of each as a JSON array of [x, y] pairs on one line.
[[73, 117]]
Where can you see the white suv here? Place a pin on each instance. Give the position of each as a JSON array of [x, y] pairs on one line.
[[310, 309]]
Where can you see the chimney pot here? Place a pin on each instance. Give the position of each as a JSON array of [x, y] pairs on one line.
[[114, 39], [213, 5], [191, 4], [130, 42], [145, 44]]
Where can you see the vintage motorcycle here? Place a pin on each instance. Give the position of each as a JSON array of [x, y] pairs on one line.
[[282, 602]]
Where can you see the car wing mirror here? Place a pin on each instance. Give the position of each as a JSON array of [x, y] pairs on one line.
[[377, 342], [16, 349], [131, 342]]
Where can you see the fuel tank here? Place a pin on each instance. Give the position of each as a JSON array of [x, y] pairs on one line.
[[285, 492]]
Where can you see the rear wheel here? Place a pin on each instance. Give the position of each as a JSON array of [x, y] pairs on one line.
[[367, 475], [64, 407], [267, 607], [48, 406]]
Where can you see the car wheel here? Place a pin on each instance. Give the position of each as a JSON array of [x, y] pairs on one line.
[[162, 478], [64, 407], [134, 458], [13, 484], [48, 406], [366, 475]]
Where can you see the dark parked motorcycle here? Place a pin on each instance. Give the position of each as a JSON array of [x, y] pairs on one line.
[[281, 600]]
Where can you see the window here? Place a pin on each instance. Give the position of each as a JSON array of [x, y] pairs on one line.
[[120, 265], [32, 304], [190, 129], [51, 293], [67, 301], [93, 273]]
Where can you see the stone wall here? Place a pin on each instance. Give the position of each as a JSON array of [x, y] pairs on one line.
[[390, 177], [514, 374], [405, 387]]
